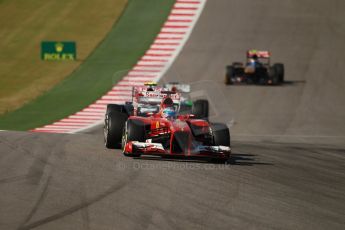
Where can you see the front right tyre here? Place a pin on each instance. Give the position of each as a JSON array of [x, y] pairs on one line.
[[230, 72], [134, 130]]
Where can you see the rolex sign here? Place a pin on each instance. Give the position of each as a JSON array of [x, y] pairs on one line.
[[58, 51]]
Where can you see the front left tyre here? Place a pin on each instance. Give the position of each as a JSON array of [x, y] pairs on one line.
[[279, 67], [221, 134], [273, 75]]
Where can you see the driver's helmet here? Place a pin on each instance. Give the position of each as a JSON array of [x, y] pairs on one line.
[[169, 112], [253, 61], [150, 88], [167, 102]]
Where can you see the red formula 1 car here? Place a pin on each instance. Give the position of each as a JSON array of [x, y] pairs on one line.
[[163, 131]]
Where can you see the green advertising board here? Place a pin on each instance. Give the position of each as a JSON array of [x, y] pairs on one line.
[[58, 51]]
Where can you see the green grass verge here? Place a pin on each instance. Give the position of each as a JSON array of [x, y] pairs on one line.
[[24, 24], [123, 46]]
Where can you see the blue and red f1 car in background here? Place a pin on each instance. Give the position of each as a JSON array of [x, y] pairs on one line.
[[257, 70]]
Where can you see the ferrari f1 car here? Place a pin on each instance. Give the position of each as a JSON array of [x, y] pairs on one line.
[[163, 132], [257, 70]]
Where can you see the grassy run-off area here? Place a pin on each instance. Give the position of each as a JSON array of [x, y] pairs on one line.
[[127, 41], [24, 24]]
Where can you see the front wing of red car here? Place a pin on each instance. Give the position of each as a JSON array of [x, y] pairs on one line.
[[145, 148]]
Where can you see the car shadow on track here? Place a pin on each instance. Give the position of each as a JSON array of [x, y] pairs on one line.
[[284, 84], [172, 159], [239, 159], [290, 83], [243, 159]]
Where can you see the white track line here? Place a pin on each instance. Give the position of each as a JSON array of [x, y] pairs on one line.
[[151, 67]]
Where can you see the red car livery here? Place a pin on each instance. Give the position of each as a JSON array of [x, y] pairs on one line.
[[145, 127]]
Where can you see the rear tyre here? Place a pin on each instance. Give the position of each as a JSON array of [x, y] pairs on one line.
[[113, 125], [134, 131], [185, 109], [230, 72], [221, 134], [279, 68], [201, 109]]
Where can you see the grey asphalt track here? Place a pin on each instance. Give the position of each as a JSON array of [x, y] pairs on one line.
[[288, 141]]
